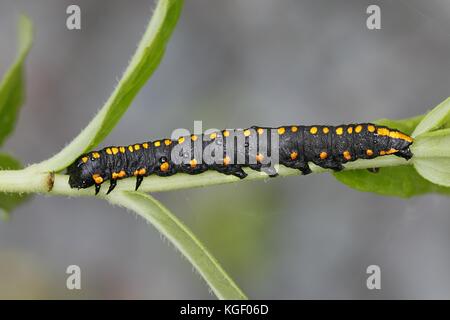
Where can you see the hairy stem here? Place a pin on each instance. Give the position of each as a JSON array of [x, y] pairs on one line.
[[31, 181]]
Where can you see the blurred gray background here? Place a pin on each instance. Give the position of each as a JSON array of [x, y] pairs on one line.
[[231, 64]]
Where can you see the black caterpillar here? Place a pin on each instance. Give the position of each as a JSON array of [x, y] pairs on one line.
[[325, 146]]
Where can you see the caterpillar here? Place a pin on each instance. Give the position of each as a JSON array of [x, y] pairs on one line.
[[258, 148]]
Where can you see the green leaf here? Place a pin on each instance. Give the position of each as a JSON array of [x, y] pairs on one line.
[[8, 201], [432, 156], [400, 181], [439, 117], [183, 239], [12, 89], [142, 65]]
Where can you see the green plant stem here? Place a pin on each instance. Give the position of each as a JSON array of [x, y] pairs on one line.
[[29, 180]]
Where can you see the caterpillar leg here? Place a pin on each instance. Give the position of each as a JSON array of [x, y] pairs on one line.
[[139, 180], [299, 165], [405, 154], [97, 188], [270, 171], [235, 170], [112, 185], [373, 170], [238, 172]]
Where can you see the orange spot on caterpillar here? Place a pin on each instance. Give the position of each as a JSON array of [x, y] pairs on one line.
[[259, 157], [164, 167], [226, 160], [347, 155], [97, 178]]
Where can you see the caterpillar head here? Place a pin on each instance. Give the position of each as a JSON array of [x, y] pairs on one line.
[[402, 147], [83, 171]]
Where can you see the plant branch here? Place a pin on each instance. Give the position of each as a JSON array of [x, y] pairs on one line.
[[31, 181]]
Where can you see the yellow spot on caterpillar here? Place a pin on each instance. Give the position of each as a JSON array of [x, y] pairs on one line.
[[350, 130], [157, 143], [323, 155], [294, 129], [281, 130], [122, 149], [371, 128], [97, 178], [130, 148], [139, 172], [167, 142], [339, 131], [226, 133], [145, 145], [294, 155], [108, 151], [96, 155], [325, 130], [383, 131], [164, 167], [358, 128], [194, 137], [382, 153], [119, 174], [313, 130], [391, 151], [247, 132], [180, 140], [347, 155], [226, 160], [193, 163], [369, 152], [85, 159], [260, 131], [137, 147], [399, 135], [213, 135], [259, 157], [115, 150]]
